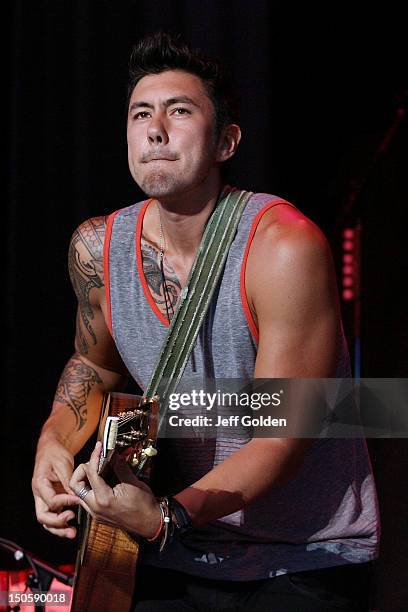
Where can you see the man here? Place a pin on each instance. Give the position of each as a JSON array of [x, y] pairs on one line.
[[277, 523]]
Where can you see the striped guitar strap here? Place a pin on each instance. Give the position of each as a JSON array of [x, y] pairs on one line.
[[196, 296]]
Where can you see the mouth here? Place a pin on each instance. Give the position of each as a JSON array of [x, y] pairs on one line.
[[150, 158], [159, 159]]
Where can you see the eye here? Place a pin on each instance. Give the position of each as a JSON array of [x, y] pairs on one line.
[[141, 115], [181, 111]]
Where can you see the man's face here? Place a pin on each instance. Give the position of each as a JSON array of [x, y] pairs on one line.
[[171, 133]]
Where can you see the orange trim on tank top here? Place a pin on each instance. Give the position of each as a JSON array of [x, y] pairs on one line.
[[139, 261], [106, 248], [245, 305]]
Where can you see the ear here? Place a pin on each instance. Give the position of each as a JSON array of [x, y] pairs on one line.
[[228, 142]]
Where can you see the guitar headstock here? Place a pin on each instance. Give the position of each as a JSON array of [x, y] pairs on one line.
[[131, 433]]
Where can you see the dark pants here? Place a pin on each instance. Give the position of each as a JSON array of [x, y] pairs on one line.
[[345, 587]]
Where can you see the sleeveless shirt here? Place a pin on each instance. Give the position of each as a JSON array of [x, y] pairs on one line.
[[326, 515]]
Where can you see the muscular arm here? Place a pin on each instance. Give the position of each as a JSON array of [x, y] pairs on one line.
[[292, 293], [95, 367], [96, 362]]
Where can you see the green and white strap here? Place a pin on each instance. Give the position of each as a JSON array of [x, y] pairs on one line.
[[196, 295]]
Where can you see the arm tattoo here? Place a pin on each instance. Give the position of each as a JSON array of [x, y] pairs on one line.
[[74, 386], [151, 268], [80, 336], [86, 271]]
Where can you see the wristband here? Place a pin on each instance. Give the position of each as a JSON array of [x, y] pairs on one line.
[[165, 529], [182, 520], [159, 530]]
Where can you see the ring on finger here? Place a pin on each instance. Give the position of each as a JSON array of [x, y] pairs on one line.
[[82, 493]]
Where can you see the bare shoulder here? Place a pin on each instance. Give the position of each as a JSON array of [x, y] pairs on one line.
[[85, 258], [292, 292], [286, 239], [286, 227], [89, 237], [289, 264]]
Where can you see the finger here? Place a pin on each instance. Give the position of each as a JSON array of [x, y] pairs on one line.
[[78, 485], [99, 486], [68, 532], [45, 490], [64, 473], [78, 479], [89, 504], [79, 473], [43, 511], [63, 499], [52, 519], [90, 497], [95, 457]]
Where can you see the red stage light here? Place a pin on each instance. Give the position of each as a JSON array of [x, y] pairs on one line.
[[348, 294], [349, 233]]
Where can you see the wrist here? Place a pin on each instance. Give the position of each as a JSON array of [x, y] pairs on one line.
[[164, 530], [51, 444], [46, 441], [49, 435], [156, 524], [172, 519]]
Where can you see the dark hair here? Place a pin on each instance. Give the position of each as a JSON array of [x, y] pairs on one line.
[[161, 51]]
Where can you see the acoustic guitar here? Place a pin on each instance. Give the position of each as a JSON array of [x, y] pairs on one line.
[[107, 556]]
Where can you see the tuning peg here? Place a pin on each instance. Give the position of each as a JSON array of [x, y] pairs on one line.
[[134, 460], [149, 451], [127, 438]]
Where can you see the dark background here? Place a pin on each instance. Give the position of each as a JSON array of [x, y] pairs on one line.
[[318, 87]]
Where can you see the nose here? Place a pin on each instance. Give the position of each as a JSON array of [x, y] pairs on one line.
[[156, 131]]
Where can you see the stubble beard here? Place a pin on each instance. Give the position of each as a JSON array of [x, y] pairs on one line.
[[159, 184]]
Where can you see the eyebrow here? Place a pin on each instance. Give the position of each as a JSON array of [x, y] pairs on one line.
[[166, 103]]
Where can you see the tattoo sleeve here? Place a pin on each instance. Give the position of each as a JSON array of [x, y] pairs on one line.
[[74, 386], [85, 263]]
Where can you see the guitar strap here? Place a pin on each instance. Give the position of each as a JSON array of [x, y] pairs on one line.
[[196, 296]]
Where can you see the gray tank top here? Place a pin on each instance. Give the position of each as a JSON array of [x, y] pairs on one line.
[[326, 515]]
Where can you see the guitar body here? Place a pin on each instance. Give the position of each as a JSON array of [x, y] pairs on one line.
[[105, 575], [107, 556]]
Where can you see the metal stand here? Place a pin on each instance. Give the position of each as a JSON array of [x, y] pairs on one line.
[[40, 579]]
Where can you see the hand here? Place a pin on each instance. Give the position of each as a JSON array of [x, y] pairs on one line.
[[130, 505], [50, 484]]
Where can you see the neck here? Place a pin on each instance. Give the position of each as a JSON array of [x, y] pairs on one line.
[[183, 219]]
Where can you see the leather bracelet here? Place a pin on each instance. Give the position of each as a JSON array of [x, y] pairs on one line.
[[182, 520], [174, 520]]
